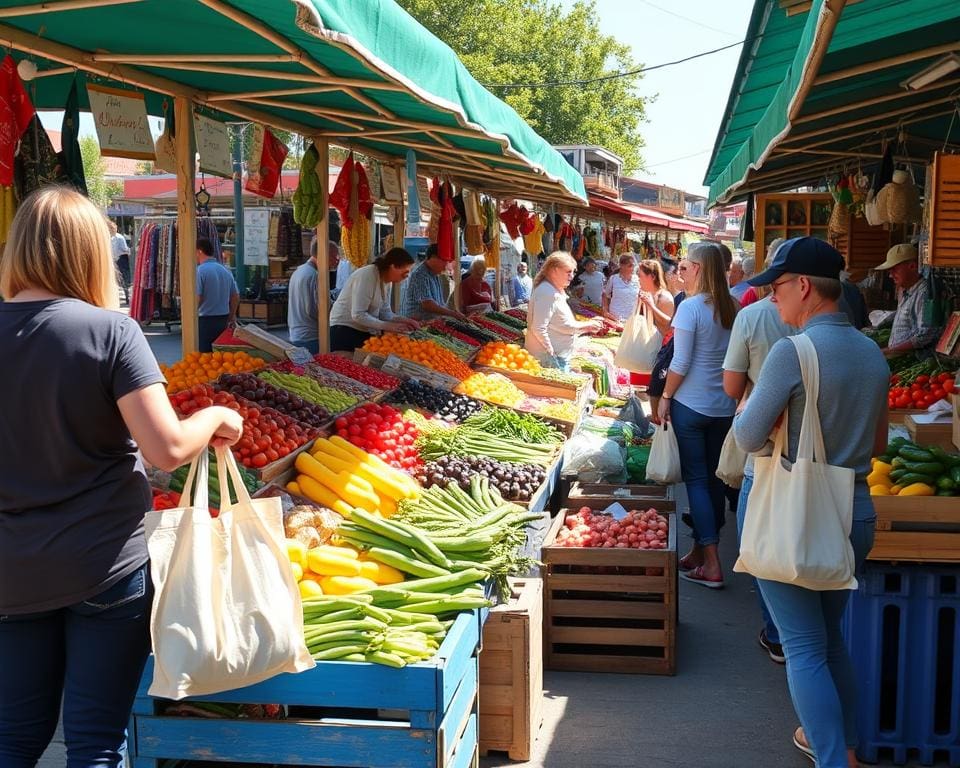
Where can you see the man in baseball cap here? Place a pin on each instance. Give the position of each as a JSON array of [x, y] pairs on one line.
[[909, 331], [802, 256]]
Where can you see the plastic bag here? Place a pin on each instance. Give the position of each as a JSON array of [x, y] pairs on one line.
[[633, 413], [636, 463], [586, 451], [639, 343], [663, 465], [621, 432]]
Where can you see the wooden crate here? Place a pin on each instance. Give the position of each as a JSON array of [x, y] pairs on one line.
[[610, 610], [940, 435], [539, 387], [511, 672], [602, 495], [899, 415], [344, 714], [917, 529]]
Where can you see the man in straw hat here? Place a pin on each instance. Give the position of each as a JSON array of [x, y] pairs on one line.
[[909, 330]]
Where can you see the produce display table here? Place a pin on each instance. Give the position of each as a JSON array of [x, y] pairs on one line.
[[917, 529], [349, 715]]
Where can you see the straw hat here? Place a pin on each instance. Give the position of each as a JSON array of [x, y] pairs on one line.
[[899, 254]]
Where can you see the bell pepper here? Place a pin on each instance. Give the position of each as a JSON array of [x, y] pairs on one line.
[[918, 489]]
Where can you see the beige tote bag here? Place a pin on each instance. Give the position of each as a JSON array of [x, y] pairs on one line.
[[639, 343], [798, 519], [732, 462], [226, 611]]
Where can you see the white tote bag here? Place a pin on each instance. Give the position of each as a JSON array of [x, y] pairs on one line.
[[798, 520], [732, 462], [663, 465], [639, 343], [226, 611]]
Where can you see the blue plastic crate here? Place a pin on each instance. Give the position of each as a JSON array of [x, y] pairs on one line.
[[902, 628], [421, 716]]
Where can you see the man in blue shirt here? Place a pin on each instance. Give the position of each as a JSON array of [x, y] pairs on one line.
[[424, 299], [521, 285], [217, 296]]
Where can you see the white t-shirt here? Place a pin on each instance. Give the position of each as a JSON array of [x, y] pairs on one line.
[[623, 296], [364, 302], [592, 287]]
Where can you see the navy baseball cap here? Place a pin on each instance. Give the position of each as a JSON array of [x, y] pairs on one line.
[[809, 256]]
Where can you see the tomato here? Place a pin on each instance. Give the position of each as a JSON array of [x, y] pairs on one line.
[[922, 379], [281, 451], [258, 460], [341, 423], [245, 461], [263, 443], [950, 388], [903, 401], [938, 393], [354, 430]]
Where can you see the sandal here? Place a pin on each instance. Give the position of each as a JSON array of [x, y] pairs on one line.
[[800, 742], [697, 576]]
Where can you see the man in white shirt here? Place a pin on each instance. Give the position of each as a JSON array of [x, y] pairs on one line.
[[591, 283], [121, 257], [736, 278]]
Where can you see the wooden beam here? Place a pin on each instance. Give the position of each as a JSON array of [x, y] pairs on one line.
[[855, 105], [892, 61], [849, 155], [269, 74], [212, 97], [306, 109], [323, 250], [54, 72], [57, 7], [194, 58], [186, 161]]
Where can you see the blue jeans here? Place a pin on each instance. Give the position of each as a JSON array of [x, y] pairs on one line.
[[700, 439], [819, 671], [770, 629], [312, 346], [90, 655]]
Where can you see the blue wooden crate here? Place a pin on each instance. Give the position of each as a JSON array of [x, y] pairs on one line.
[[420, 716]]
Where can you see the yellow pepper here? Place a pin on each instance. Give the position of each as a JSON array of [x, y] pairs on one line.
[[880, 490], [882, 466], [878, 477], [918, 489], [895, 490]]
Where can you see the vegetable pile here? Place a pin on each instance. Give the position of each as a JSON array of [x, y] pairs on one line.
[[472, 330], [920, 385], [425, 353], [461, 349], [522, 426], [491, 387], [515, 482], [204, 367], [470, 440], [638, 530], [263, 393], [512, 357], [310, 390], [446, 405], [346, 367], [502, 332], [382, 431], [509, 319], [906, 469], [337, 381]]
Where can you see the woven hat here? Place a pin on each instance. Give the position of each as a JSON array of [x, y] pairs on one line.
[[899, 254]]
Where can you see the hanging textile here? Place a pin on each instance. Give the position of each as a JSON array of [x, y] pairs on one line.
[[473, 227], [36, 164], [351, 198], [491, 236], [442, 196], [71, 162], [16, 112], [266, 161]]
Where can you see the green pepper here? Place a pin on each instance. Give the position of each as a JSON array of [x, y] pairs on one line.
[[946, 483]]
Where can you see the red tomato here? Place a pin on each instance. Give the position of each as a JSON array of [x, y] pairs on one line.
[[258, 460], [922, 379], [341, 423]]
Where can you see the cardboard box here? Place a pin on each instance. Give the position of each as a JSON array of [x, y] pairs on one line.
[[925, 433]]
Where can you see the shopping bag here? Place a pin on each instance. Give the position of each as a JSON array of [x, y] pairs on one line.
[[226, 608], [663, 466], [732, 462], [798, 517], [639, 343]]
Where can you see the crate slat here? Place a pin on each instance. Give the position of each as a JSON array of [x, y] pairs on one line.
[[916, 529], [612, 609]]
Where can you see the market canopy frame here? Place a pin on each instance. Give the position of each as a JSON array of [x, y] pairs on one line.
[[364, 75], [821, 84]]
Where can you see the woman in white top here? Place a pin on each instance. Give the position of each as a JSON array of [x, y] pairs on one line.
[[363, 307], [621, 291], [551, 326], [654, 296], [591, 283]]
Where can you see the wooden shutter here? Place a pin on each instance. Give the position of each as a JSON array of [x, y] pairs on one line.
[[945, 211]]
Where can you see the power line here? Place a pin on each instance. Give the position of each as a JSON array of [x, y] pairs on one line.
[[678, 159], [618, 75], [687, 18]]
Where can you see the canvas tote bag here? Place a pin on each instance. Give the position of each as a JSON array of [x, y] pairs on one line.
[[732, 462], [663, 466], [798, 520], [639, 344], [226, 611]]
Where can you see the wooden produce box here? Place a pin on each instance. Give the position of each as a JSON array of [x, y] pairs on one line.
[[602, 495], [568, 391], [345, 714], [511, 672], [940, 435], [610, 610], [922, 529], [899, 415]]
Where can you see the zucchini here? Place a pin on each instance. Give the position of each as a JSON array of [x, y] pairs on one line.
[[932, 468], [914, 454], [915, 477]]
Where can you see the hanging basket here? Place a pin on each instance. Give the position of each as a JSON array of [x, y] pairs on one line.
[[899, 201], [839, 223]]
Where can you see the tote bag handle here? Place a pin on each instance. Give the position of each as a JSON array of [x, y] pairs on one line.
[[196, 489], [811, 444]]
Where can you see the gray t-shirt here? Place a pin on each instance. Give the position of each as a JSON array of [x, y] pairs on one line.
[[302, 300], [73, 491]]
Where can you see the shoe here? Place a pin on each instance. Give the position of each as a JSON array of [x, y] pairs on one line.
[[800, 742], [774, 650], [696, 577], [688, 563]]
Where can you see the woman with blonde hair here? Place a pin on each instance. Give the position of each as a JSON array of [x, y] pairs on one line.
[[75, 590], [551, 327], [695, 404], [475, 293]]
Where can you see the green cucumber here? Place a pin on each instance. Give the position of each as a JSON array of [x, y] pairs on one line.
[[915, 477], [911, 453]]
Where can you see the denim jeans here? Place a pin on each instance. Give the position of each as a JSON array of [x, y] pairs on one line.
[[819, 671], [90, 655], [700, 439], [770, 628]]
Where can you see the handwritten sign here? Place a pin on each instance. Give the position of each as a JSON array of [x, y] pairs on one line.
[[256, 230], [120, 118], [423, 193], [213, 144], [392, 191]]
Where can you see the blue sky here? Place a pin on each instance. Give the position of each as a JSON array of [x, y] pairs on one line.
[[685, 117]]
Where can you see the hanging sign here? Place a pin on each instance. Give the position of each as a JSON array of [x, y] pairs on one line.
[[390, 181], [423, 193], [120, 118], [256, 231], [374, 177], [213, 144]]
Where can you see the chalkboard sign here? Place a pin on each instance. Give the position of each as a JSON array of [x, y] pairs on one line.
[[213, 144], [120, 118], [256, 230]]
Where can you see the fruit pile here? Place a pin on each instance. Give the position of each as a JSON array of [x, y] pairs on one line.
[[346, 367], [267, 435], [204, 367], [638, 530], [423, 352], [909, 389], [310, 390], [907, 469], [446, 405], [262, 393], [515, 482], [512, 357], [328, 378], [491, 387], [382, 431]]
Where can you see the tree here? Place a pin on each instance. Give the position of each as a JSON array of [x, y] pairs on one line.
[[536, 41], [100, 190]]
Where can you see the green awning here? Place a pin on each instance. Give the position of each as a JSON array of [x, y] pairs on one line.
[[818, 89], [361, 74]]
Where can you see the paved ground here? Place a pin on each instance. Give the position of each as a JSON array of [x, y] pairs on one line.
[[727, 707]]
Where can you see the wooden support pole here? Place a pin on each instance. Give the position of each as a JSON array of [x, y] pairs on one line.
[[63, 5], [323, 249], [186, 162]]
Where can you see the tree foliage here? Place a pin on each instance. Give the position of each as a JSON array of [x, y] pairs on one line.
[[100, 190], [537, 41]]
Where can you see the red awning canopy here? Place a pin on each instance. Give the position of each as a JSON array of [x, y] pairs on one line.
[[649, 216]]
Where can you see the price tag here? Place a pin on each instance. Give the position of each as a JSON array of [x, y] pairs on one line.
[[299, 356], [618, 511]]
